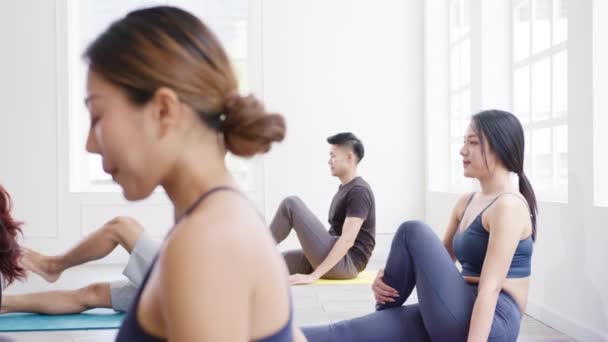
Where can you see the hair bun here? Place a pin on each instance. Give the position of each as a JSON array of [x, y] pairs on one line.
[[247, 128]]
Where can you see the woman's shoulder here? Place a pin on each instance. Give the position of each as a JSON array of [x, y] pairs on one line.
[[461, 204], [508, 207], [222, 225], [510, 202]]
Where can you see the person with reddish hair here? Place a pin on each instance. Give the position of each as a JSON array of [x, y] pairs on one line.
[[120, 231], [10, 252]]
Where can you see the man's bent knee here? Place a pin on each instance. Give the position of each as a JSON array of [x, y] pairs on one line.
[[291, 202]]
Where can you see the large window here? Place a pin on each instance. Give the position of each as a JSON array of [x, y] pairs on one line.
[[459, 91], [540, 91], [509, 55], [229, 19]]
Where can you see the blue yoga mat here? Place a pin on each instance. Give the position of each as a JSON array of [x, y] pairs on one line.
[[92, 319]]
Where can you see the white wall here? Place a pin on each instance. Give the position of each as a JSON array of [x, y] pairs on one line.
[[569, 271], [332, 66], [28, 128]]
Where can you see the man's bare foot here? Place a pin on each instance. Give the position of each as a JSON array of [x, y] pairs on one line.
[[40, 264]]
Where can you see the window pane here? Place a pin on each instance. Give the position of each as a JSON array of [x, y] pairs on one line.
[[541, 90], [240, 68], [460, 113], [527, 154], [521, 31], [466, 16], [460, 65], [543, 159], [560, 135], [542, 25], [459, 126], [455, 107], [233, 36], [466, 105], [241, 170], [455, 117], [521, 94], [560, 21], [456, 172], [455, 69], [465, 62], [560, 84], [455, 20], [96, 169], [459, 19]]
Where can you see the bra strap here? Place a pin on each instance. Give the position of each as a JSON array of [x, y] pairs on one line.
[[466, 206], [201, 198], [497, 197]]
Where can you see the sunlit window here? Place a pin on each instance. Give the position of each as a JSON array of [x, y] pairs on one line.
[[540, 91], [460, 86], [87, 19]]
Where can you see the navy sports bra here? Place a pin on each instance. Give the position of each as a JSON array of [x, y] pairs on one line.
[[131, 330], [470, 247]]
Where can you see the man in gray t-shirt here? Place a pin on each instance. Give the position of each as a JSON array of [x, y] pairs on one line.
[[344, 250]]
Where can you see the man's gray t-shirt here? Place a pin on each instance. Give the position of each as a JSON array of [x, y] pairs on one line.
[[355, 199]]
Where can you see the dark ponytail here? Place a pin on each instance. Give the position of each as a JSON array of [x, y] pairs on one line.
[[10, 252], [525, 188]]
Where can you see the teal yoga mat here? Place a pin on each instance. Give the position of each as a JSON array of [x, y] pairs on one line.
[[92, 319]]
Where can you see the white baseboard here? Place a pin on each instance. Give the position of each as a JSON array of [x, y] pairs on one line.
[[568, 326]]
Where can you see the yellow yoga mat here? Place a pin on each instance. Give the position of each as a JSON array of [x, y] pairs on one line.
[[365, 277]]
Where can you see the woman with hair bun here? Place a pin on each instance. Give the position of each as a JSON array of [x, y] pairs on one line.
[[165, 109]]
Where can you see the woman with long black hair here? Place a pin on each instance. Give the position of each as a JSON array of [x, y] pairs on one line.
[[490, 233]]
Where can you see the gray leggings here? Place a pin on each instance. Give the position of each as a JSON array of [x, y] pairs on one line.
[[315, 240], [445, 301]]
